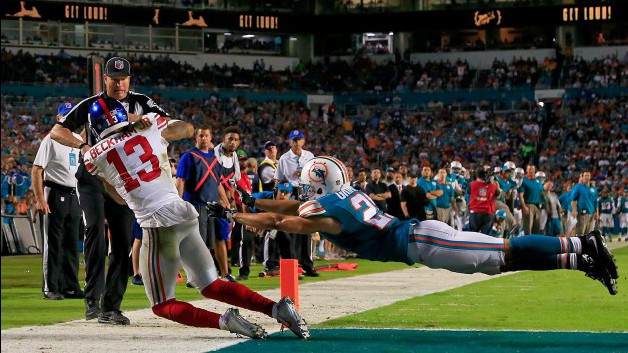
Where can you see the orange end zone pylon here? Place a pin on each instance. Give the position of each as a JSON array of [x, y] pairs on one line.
[[289, 279]]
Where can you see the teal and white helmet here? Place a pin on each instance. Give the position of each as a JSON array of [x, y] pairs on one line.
[[321, 176]]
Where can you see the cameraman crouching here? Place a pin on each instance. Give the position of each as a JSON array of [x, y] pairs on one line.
[[483, 193]]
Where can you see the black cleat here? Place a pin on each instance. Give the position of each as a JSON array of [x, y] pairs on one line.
[[137, 280], [113, 318], [598, 273], [75, 294], [229, 278], [599, 252], [92, 310], [53, 296]]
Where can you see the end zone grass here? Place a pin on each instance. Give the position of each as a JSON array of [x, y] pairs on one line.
[[551, 300], [22, 301]]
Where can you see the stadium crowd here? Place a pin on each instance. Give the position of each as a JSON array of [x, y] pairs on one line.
[[585, 134], [363, 74]]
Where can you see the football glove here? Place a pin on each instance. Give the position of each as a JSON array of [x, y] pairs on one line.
[[214, 209], [245, 197]]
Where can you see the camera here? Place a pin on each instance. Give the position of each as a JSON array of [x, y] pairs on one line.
[[488, 176]]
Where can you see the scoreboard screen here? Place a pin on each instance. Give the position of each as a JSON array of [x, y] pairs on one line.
[[292, 23]]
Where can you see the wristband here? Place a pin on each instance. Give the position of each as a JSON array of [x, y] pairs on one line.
[[83, 145], [250, 201]]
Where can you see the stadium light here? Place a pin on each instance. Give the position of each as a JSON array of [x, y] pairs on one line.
[[248, 36], [370, 34], [390, 33], [227, 33]]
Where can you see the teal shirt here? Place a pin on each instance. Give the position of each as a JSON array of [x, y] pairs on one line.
[[366, 230], [532, 190], [622, 204], [428, 186], [505, 185], [605, 205], [444, 201], [586, 197], [565, 201]]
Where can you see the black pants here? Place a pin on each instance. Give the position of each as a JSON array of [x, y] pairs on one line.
[[246, 248], [98, 207], [236, 243], [60, 231], [303, 251], [481, 222], [279, 247]]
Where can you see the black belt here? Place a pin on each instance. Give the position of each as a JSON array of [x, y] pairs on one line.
[[56, 186]]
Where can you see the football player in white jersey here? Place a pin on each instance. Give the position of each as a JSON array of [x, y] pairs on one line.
[[134, 160]]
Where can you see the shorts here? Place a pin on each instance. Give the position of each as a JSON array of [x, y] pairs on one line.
[[137, 231], [223, 229], [164, 250], [437, 245]]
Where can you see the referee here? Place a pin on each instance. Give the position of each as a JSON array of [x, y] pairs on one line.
[[54, 186], [289, 170], [97, 206]]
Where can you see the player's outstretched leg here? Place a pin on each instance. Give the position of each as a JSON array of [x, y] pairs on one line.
[[596, 248], [234, 323], [237, 294], [568, 261], [187, 314], [286, 313]]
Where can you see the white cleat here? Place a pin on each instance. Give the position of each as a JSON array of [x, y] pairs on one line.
[[232, 321], [286, 313]]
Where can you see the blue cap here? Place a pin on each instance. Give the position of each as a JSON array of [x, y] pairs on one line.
[[65, 108], [284, 187], [500, 214], [269, 144], [296, 134]]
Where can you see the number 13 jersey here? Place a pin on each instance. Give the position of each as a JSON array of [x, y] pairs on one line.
[[136, 163], [366, 230]]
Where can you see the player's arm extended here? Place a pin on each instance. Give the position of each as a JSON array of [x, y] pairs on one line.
[[64, 136], [290, 224], [177, 130], [284, 207], [111, 191]]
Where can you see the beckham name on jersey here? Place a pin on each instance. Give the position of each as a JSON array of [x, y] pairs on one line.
[[104, 145]]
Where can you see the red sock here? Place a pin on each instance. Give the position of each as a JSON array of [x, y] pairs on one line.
[[238, 295], [187, 314]]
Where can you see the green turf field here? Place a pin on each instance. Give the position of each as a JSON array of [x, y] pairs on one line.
[[554, 300], [23, 304]]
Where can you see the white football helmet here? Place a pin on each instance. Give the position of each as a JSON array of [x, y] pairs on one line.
[[321, 176], [455, 168], [540, 175], [509, 166], [519, 173]]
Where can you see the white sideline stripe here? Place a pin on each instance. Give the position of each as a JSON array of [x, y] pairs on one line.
[[320, 301]]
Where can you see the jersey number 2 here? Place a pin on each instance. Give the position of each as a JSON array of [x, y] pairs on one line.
[[370, 213], [131, 183]]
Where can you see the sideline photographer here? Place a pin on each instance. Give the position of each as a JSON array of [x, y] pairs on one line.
[[484, 190]]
